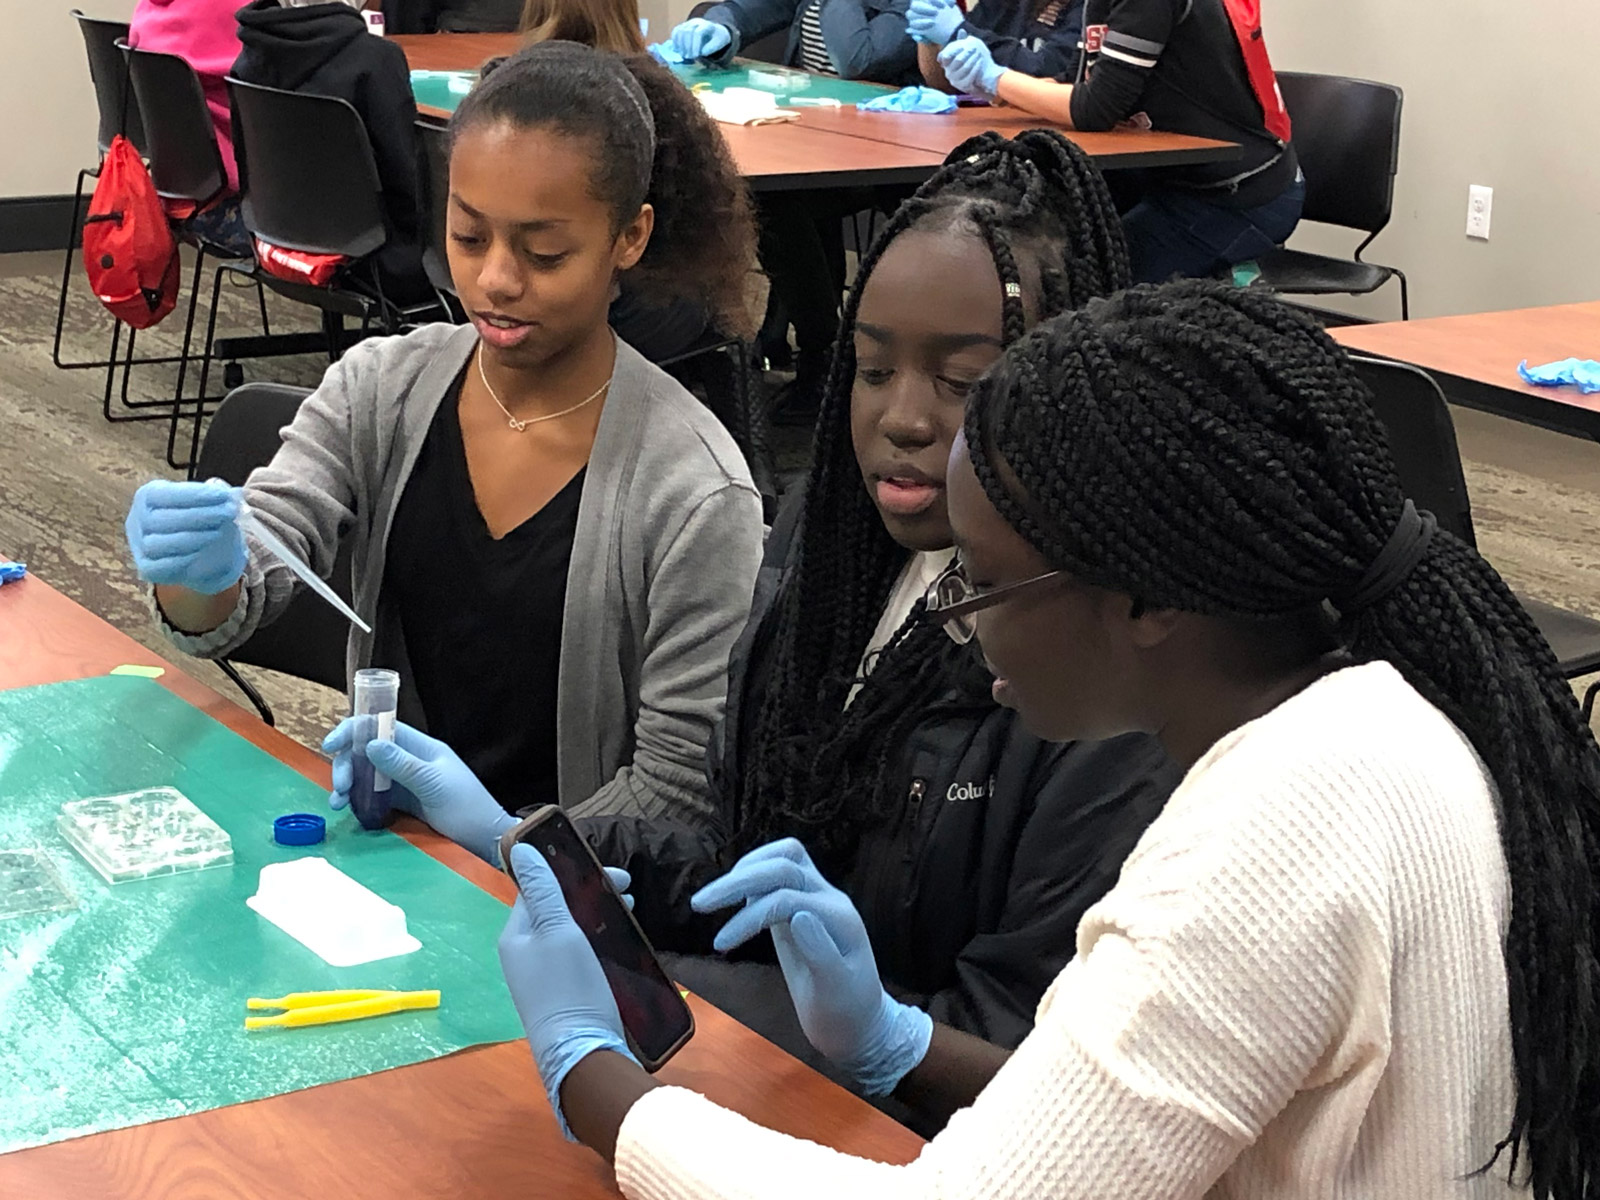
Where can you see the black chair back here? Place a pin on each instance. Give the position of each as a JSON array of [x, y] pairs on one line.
[[306, 171], [1347, 137], [308, 640], [108, 70], [1422, 440], [185, 163], [434, 141]]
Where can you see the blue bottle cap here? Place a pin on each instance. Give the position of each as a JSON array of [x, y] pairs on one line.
[[299, 829]]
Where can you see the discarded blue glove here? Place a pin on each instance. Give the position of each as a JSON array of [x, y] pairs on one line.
[[10, 572], [970, 67], [666, 52], [699, 38], [557, 983], [935, 22], [827, 962], [911, 100], [1582, 373]]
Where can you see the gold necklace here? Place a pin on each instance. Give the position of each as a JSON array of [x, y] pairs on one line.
[[519, 426]]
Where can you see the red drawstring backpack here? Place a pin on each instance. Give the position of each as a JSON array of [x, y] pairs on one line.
[[128, 249], [1245, 16]]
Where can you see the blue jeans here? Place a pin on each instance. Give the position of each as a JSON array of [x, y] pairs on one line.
[[1182, 233]]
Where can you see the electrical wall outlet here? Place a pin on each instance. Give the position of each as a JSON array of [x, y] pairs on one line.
[[1480, 206]]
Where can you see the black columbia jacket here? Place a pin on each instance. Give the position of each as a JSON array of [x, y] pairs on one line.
[[972, 896]]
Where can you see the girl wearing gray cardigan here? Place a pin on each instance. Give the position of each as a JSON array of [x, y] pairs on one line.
[[664, 558], [554, 543]]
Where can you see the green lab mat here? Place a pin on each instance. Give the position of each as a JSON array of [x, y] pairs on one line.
[[434, 89], [130, 1007]]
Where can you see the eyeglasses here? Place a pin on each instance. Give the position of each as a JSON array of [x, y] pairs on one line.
[[953, 601]]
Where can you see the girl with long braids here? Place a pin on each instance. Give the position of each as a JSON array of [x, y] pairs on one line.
[[1355, 955], [970, 847]]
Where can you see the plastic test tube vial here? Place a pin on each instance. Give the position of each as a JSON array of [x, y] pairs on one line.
[[373, 701]]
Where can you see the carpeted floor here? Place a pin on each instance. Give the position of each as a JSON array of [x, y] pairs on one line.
[[66, 477]]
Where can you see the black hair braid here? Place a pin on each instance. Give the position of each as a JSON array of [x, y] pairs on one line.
[[814, 768], [1208, 449]]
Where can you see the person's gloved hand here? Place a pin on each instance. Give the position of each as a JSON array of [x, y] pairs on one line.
[[969, 66], [826, 959], [556, 981], [699, 38], [187, 535], [429, 781], [933, 21]]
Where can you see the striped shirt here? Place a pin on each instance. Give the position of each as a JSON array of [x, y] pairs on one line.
[[813, 50]]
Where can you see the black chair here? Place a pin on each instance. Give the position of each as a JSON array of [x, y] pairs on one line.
[[764, 49], [118, 113], [309, 183], [308, 640], [1422, 441], [185, 166], [433, 143], [1347, 137]]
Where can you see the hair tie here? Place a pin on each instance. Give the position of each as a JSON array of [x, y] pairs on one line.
[[631, 88], [1398, 558]]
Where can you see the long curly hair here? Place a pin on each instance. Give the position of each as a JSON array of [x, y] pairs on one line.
[[654, 144], [1211, 450], [704, 244], [814, 768]]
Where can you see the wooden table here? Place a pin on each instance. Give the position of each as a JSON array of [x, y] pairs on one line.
[[473, 1124], [1475, 359], [1115, 150], [846, 147]]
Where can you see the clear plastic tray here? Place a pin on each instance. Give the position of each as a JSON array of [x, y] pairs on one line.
[[30, 883], [135, 835]]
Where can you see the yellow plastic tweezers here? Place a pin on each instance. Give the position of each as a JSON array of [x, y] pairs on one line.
[[325, 1008]]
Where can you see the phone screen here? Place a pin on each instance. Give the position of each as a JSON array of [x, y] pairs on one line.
[[653, 1011]]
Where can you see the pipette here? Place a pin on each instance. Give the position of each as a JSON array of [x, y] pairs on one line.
[[253, 527]]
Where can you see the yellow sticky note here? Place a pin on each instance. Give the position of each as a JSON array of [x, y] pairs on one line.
[[143, 672]]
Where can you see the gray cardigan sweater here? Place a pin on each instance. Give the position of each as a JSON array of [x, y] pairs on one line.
[[663, 563]]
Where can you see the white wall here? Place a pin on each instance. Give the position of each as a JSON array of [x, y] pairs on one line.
[[673, 11], [45, 94], [1497, 94]]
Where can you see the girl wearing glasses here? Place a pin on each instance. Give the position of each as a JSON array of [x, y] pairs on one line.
[[1355, 955]]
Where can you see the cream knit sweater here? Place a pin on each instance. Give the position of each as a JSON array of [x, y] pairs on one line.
[[1295, 990]]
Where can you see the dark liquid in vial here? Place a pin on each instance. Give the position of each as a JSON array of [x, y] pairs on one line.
[[370, 807]]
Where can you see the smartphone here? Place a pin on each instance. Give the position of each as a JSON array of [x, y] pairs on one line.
[[655, 1017]]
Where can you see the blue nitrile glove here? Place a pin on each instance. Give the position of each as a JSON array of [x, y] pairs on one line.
[[1582, 373], [556, 981], [933, 21], [429, 781], [187, 535], [699, 38], [827, 962], [911, 100], [970, 67]]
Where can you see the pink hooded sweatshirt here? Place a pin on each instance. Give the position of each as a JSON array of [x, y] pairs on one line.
[[205, 34]]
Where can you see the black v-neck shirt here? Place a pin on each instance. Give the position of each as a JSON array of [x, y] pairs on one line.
[[482, 616]]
